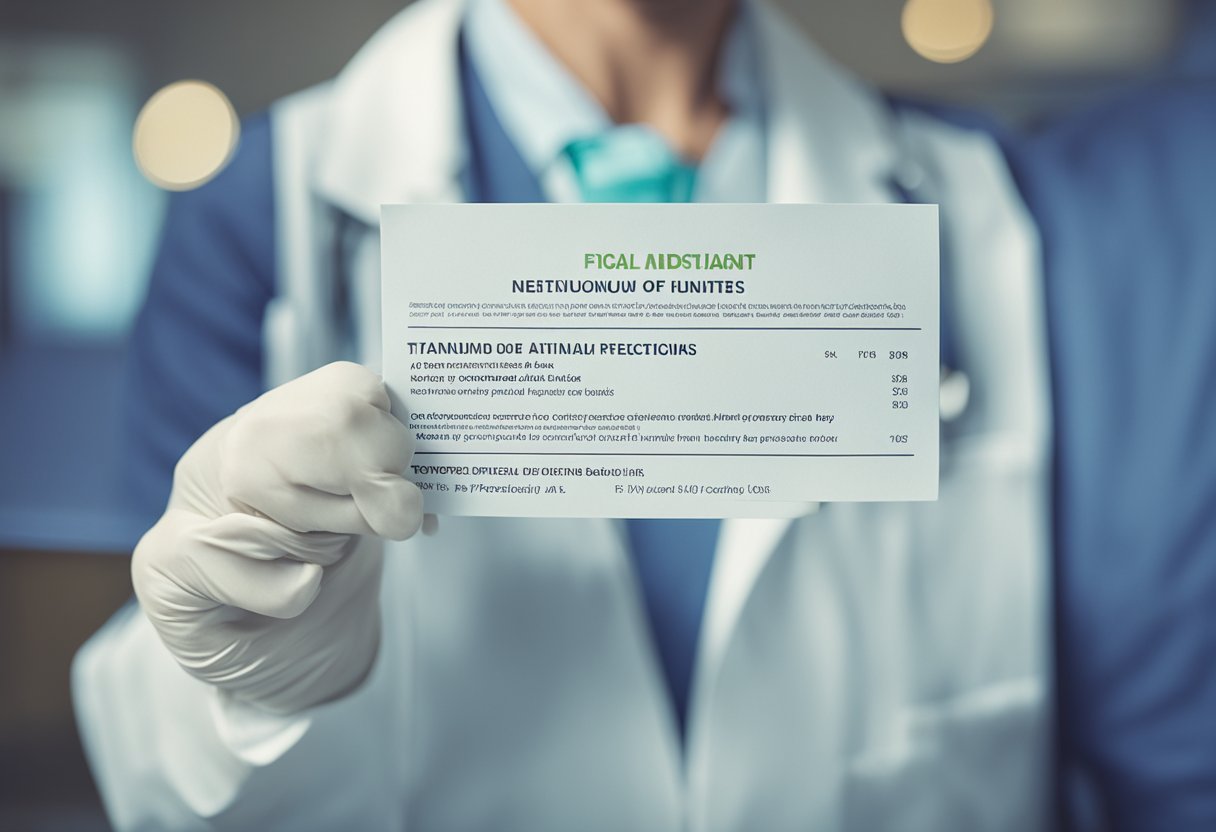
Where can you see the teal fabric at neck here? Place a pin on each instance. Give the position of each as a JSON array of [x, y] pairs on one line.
[[672, 558], [630, 163]]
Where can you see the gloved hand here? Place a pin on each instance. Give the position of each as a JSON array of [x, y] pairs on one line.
[[263, 575]]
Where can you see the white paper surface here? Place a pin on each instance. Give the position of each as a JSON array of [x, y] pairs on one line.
[[663, 360]]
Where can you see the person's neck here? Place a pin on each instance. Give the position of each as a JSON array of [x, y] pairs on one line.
[[646, 61]]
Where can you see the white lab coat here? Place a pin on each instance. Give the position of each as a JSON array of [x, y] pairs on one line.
[[865, 667]]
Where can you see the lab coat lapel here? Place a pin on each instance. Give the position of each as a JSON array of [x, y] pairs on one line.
[[743, 548], [829, 140], [829, 136], [395, 127]]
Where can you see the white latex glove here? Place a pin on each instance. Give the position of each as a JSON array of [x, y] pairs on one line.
[[255, 576]]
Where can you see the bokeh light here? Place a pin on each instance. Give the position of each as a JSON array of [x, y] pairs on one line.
[[185, 135], [947, 31]]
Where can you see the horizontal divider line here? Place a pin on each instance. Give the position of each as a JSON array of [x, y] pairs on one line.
[[610, 453], [691, 328]]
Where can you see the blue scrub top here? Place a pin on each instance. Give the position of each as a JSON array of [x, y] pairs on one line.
[[196, 347]]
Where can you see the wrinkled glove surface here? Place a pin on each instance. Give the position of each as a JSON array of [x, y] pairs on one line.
[[263, 575]]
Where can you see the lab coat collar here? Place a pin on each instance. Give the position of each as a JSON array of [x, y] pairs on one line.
[[395, 118], [396, 131], [830, 136]]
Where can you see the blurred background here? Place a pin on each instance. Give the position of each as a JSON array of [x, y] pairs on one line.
[[79, 219]]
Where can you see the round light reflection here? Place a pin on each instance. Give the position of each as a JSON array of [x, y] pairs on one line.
[[947, 31], [185, 135]]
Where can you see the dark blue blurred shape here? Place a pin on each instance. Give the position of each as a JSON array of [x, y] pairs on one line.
[[1125, 195], [197, 344], [1196, 53], [59, 414]]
